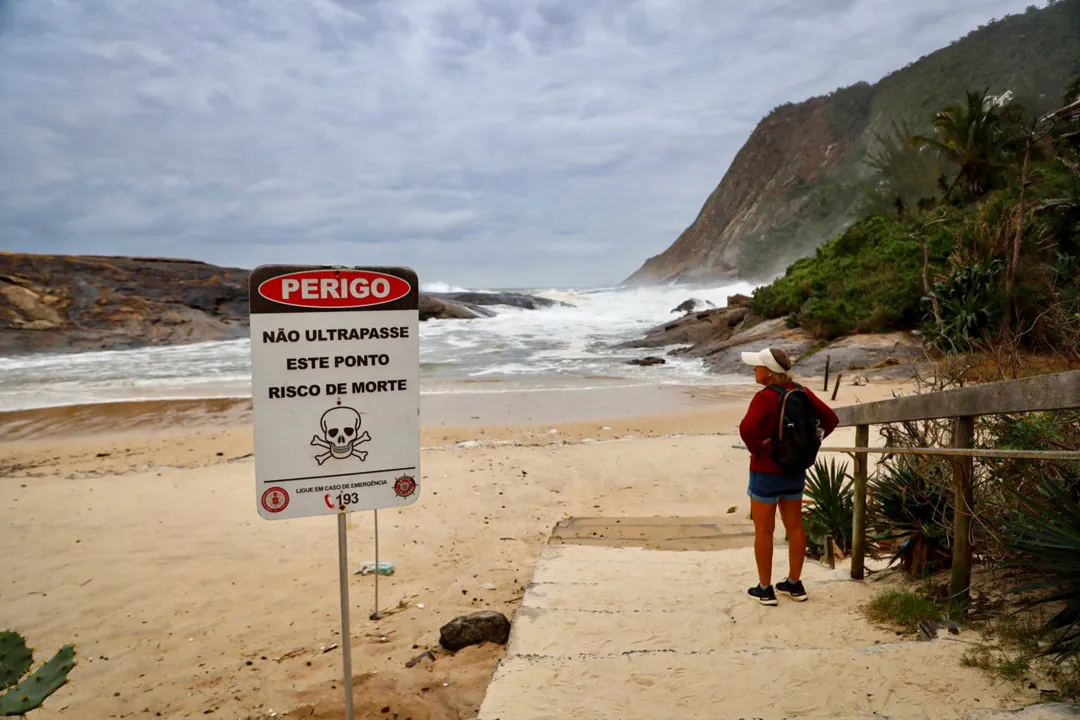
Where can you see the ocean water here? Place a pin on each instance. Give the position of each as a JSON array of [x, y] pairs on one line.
[[512, 351]]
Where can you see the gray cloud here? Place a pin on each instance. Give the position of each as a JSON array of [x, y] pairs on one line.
[[483, 142]]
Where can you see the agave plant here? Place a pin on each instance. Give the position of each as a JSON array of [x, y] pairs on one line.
[[911, 514], [1045, 537], [830, 504]]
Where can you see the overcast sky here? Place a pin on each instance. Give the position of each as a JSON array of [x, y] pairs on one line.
[[483, 142]]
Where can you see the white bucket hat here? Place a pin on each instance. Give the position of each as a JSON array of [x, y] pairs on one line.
[[763, 358]]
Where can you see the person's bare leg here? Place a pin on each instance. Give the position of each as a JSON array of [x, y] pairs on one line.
[[791, 515], [764, 526]]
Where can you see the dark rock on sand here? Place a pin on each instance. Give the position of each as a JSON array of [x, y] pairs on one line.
[[647, 361], [475, 629]]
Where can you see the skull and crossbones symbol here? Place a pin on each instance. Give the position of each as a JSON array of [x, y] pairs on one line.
[[340, 435]]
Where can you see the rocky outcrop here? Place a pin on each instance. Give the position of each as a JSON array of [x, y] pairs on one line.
[[482, 299], [795, 183], [647, 361], [689, 306], [719, 337], [61, 303], [886, 355], [435, 308]]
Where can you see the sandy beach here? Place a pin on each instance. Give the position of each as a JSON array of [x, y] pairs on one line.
[[139, 541]]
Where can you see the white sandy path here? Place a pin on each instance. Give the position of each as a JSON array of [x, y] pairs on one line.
[[627, 633]]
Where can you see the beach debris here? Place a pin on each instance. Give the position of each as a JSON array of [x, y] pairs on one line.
[[328, 648], [368, 568], [475, 629], [23, 694], [930, 630], [489, 586], [732, 509], [647, 361], [291, 654], [419, 658]]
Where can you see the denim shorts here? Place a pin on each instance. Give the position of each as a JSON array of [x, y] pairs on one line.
[[770, 488]]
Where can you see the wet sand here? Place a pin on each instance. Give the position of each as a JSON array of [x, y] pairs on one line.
[[138, 539]]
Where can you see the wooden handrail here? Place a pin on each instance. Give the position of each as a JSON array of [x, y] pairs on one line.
[[1060, 391], [1047, 455]]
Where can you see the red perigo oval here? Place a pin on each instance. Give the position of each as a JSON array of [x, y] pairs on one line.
[[334, 288]]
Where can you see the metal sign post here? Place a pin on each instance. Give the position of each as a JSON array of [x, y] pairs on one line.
[[346, 634], [335, 366], [376, 615]]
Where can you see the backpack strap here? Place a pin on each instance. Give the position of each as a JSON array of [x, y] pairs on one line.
[[783, 392]]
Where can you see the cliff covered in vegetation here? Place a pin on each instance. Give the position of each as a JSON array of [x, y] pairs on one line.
[[800, 179]]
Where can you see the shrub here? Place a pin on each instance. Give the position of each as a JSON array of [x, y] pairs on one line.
[[1045, 538], [912, 515], [867, 280], [830, 504]]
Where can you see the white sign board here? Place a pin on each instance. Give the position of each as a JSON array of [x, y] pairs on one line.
[[335, 360]]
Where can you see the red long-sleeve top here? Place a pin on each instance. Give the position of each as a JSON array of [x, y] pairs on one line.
[[762, 418]]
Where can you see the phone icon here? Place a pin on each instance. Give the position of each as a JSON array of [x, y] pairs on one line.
[[326, 499]]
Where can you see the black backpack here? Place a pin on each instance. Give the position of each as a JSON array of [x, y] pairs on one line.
[[795, 442]]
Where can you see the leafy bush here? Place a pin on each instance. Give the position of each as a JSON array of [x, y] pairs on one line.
[[971, 303], [1045, 538], [867, 280], [830, 505], [911, 514]]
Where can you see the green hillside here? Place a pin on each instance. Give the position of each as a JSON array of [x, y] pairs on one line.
[[1031, 55], [798, 181]]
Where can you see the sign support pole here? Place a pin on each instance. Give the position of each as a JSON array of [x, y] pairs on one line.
[[375, 615], [346, 633]]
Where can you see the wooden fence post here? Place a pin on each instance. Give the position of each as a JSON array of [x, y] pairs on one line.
[[826, 388], [963, 508], [858, 518]]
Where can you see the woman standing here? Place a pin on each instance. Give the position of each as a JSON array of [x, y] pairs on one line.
[[769, 485]]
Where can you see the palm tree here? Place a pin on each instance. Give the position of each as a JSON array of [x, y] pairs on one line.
[[977, 135]]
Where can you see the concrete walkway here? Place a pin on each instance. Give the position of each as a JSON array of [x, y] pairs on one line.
[[624, 632]]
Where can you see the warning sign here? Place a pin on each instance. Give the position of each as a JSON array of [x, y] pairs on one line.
[[335, 359]]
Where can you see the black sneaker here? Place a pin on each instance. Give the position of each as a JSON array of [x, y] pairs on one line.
[[793, 590], [765, 597]]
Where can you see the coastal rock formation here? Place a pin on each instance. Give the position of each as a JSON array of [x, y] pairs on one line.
[[526, 302], [62, 303], [55, 303], [435, 308], [689, 306], [795, 183], [647, 361], [692, 329], [719, 337], [885, 355]]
